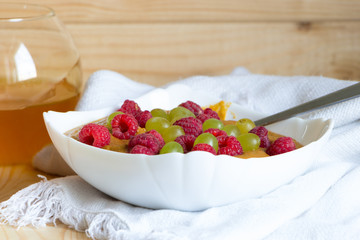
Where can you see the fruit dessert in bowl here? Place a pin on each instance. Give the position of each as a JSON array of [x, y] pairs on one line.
[[176, 149]]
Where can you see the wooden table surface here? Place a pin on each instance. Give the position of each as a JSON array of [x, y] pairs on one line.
[[14, 178], [160, 41]]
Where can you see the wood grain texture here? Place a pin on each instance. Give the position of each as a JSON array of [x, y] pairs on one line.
[[58, 232], [15, 178], [105, 11], [161, 53], [159, 41]]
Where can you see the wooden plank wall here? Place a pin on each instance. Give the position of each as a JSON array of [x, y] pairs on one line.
[[159, 41]]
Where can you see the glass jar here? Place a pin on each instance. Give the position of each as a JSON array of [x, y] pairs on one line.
[[39, 71]]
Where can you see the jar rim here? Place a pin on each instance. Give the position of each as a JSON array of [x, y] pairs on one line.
[[19, 12]]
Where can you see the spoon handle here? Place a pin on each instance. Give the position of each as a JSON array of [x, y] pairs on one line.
[[327, 100]]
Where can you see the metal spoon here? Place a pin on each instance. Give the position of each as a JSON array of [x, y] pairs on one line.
[[341, 95]]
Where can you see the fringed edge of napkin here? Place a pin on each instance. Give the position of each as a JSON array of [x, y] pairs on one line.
[[43, 203], [35, 205]]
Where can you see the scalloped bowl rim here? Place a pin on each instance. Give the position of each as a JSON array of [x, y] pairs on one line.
[[192, 181]]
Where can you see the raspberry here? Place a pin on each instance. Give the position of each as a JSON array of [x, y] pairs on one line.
[[281, 145], [193, 107], [95, 135], [204, 147], [147, 140], [211, 113], [191, 126], [124, 126], [158, 136], [220, 135], [262, 132], [186, 141], [139, 149], [130, 107], [142, 118], [208, 113], [203, 117], [230, 146], [221, 140], [216, 132]]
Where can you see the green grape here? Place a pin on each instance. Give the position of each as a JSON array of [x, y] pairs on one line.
[[207, 138], [172, 147], [245, 125], [158, 112], [213, 123], [111, 117], [171, 133], [249, 141], [178, 113], [157, 123], [232, 130]]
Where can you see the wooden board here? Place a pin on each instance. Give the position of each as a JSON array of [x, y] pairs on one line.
[[159, 41], [58, 232], [161, 53], [150, 11]]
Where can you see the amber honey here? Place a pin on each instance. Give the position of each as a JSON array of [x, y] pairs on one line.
[[22, 129]]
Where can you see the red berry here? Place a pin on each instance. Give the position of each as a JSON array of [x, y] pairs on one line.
[[124, 126], [158, 136], [130, 107], [203, 117], [147, 140], [204, 147], [186, 141], [281, 145], [142, 117], [139, 149], [95, 135], [230, 146], [259, 130], [216, 132], [191, 126], [193, 107], [221, 140], [211, 113], [220, 135], [208, 113], [262, 132]]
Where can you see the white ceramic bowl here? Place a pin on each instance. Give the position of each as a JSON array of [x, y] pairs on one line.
[[189, 182]]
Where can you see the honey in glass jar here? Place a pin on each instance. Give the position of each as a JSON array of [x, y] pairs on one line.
[[39, 71]]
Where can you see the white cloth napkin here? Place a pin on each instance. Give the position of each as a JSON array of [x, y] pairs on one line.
[[322, 204]]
